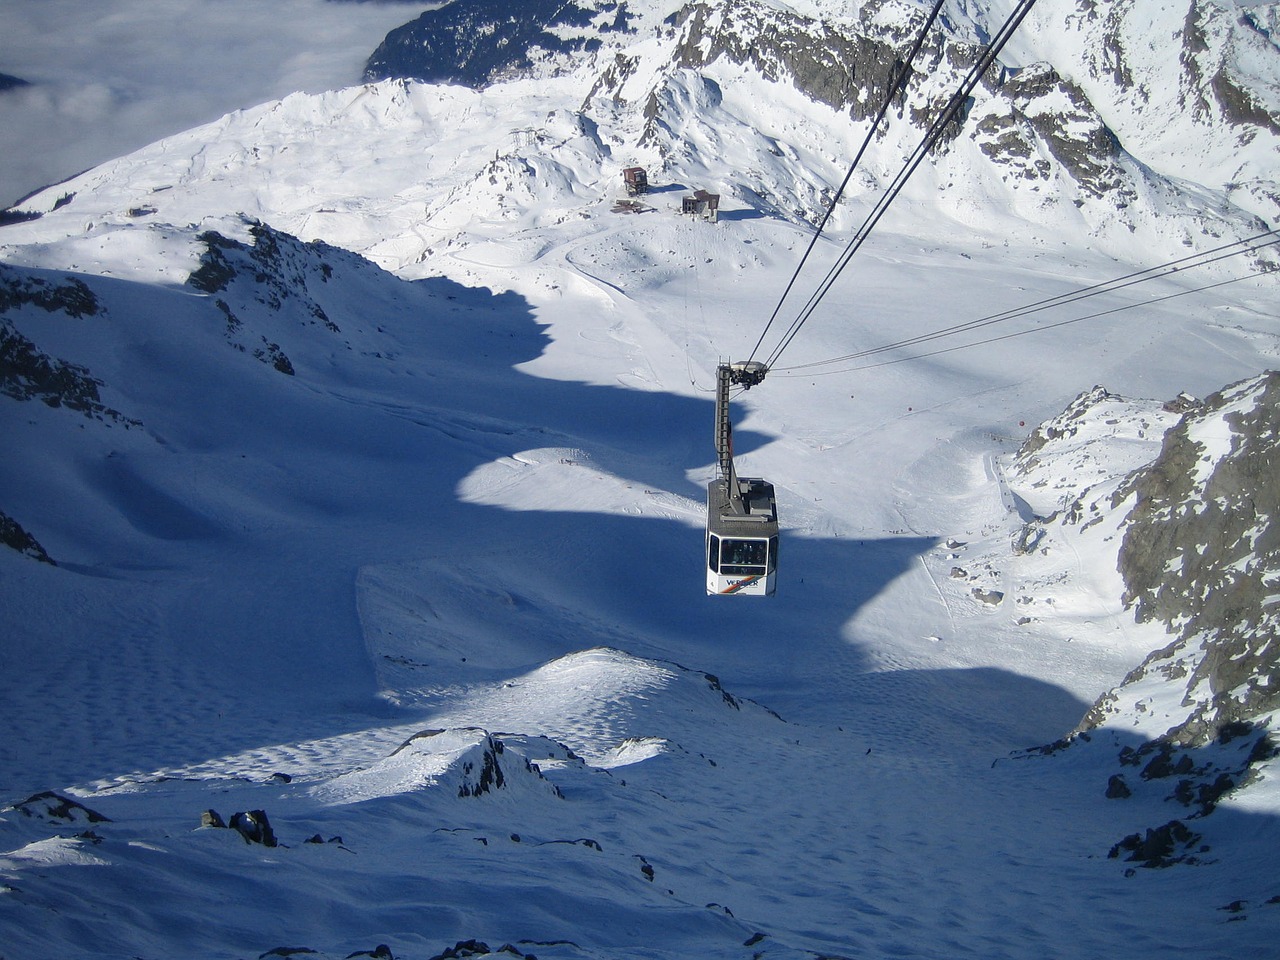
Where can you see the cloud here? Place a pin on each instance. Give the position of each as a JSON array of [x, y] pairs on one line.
[[114, 75]]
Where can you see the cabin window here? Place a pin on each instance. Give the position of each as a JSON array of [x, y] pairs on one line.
[[713, 553], [773, 554], [743, 557]]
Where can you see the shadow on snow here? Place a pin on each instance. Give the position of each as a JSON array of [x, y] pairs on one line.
[[340, 473]]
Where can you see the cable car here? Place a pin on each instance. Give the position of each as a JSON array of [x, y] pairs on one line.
[[742, 514], [742, 538]]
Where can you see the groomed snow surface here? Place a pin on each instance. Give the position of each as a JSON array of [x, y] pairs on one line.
[[436, 600]]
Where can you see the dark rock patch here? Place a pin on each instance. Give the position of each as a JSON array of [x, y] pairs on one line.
[[12, 535], [54, 807], [477, 42], [1117, 789], [1161, 847], [254, 826]]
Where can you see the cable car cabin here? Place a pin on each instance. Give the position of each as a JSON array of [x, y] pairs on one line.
[[742, 538]]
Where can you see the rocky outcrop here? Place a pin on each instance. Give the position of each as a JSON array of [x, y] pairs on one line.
[[1041, 115], [462, 763], [277, 271], [478, 42], [1192, 89], [845, 69], [1198, 553], [26, 371], [1161, 846], [1201, 554], [478, 948], [252, 825], [55, 808], [68, 295], [12, 535]]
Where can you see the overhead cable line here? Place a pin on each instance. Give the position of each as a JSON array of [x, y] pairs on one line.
[[792, 371], [1204, 258], [931, 138], [897, 83]]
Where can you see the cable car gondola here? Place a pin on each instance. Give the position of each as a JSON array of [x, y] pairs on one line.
[[742, 514]]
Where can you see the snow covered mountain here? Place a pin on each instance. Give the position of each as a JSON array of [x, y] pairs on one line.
[[1192, 538], [355, 448], [1093, 108]]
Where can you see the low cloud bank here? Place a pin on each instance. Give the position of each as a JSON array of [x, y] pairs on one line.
[[109, 77]]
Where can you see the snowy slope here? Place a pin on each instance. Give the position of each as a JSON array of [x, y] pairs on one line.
[[393, 532]]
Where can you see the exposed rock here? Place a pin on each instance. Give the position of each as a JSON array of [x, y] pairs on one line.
[[68, 295], [1117, 789], [491, 776], [1212, 82], [277, 271], [26, 372], [317, 838], [211, 818], [714, 682], [992, 598], [14, 536], [477, 42], [1161, 847], [1048, 115], [478, 948], [581, 842], [1163, 763], [467, 763], [464, 948], [1065, 424], [254, 826], [1025, 541], [1205, 774], [1201, 554], [844, 69], [54, 807]]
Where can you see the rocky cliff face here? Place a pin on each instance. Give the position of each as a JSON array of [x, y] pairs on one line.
[[1201, 554], [850, 69], [276, 271], [1191, 88], [478, 42], [1198, 550], [27, 372]]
